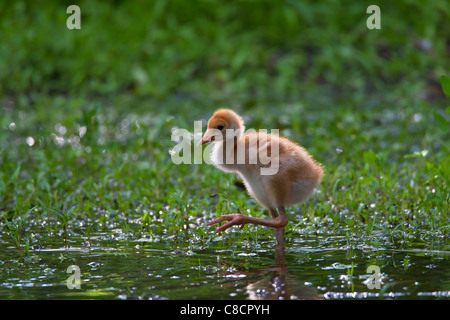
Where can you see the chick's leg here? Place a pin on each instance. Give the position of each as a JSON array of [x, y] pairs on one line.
[[279, 231], [233, 220], [278, 221]]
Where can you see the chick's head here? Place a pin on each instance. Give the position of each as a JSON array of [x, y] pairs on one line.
[[223, 125]]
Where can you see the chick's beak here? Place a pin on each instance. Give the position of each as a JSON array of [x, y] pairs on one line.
[[208, 137]]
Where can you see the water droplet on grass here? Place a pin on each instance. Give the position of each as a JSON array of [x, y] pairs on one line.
[[82, 131], [60, 129], [94, 265], [58, 140], [30, 141], [337, 266]]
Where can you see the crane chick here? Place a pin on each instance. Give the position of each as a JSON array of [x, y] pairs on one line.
[[276, 171]]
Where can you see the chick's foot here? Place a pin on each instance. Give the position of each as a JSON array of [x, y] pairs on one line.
[[233, 220]]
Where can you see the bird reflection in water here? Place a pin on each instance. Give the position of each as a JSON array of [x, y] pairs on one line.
[[275, 282]]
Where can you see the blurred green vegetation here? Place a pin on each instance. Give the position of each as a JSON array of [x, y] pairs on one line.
[[86, 115], [243, 49]]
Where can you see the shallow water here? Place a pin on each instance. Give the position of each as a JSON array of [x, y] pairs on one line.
[[313, 267]]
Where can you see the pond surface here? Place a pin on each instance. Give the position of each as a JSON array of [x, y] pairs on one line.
[[313, 267]]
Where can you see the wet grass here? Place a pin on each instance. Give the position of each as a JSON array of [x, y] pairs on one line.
[[94, 166], [85, 139], [76, 169]]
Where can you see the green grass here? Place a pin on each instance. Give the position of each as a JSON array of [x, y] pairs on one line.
[[120, 172], [100, 104]]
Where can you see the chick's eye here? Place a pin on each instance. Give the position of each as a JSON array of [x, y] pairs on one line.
[[220, 127]]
